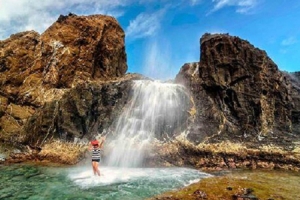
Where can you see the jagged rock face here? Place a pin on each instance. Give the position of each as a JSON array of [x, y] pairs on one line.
[[81, 112], [38, 70], [295, 80], [248, 97], [202, 114], [79, 48], [73, 49]]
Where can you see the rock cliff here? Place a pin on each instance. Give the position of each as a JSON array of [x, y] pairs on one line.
[[295, 80], [70, 82], [245, 111], [51, 83], [240, 95]]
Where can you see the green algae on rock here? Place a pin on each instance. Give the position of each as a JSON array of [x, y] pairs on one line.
[[238, 183]]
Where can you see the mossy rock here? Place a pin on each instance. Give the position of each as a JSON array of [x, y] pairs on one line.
[[237, 184]]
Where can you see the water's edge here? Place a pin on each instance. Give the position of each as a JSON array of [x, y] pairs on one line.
[[27, 181]]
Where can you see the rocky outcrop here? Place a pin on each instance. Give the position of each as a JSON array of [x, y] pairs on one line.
[[223, 155], [295, 80], [80, 48], [239, 94], [245, 111], [50, 82]]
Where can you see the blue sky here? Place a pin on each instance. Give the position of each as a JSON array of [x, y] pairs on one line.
[[162, 35]]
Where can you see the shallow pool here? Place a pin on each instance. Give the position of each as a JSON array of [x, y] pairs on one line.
[[40, 182]]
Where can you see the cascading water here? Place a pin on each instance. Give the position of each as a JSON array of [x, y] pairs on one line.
[[157, 110]]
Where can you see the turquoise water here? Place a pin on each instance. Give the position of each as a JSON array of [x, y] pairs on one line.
[[39, 182]]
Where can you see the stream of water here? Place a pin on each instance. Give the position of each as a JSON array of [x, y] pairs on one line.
[[156, 111]]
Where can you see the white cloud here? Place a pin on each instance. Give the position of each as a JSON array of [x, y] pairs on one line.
[[21, 15], [242, 6], [289, 41], [144, 25], [194, 2]]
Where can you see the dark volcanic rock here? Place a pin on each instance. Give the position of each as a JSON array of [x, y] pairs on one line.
[[239, 90], [80, 112], [295, 80], [202, 113]]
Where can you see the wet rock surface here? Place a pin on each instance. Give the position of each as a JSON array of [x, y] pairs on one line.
[[82, 111], [223, 156]]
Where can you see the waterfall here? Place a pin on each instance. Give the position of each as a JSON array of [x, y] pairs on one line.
[[156, 110]]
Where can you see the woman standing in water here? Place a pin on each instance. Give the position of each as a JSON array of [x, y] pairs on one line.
[[96, 148]]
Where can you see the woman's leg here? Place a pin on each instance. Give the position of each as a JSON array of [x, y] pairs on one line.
[[94, 167], [97, 169]]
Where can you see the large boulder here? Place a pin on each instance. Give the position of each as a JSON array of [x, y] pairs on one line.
[[37, 72], [80, 48], [239, 94]]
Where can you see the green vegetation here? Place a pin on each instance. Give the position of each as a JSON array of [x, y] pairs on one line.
[[264, 184]]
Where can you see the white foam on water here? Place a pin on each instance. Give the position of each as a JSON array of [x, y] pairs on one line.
[[156, 110], [84, 177]]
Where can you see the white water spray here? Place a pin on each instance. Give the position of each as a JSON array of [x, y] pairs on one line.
[[295, 80], [156, 110]]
